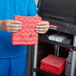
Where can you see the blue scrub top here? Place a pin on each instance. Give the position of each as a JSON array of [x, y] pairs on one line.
[[9, 8]]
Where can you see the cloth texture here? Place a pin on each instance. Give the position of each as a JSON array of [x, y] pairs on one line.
[[27, 35]]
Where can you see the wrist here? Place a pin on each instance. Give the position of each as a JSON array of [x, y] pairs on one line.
[[0, 24]]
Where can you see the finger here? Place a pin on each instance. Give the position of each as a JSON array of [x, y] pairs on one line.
[[42, 27], [41, 32], [15, 22], [13, 30], [43, 22], [15, 25], [16, 28], [10, 30]]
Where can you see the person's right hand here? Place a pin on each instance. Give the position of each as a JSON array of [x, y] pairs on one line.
[[10, 25]]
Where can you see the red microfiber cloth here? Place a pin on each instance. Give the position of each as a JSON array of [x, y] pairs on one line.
[[57, 72], [53, 64], [27, 35]]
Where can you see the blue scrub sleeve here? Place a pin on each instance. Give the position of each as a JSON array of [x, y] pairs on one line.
[[32, 8]]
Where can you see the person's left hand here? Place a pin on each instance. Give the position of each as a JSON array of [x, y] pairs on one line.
[[42, 27]]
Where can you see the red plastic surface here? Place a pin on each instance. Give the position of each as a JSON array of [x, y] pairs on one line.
[[27, 35], [53, 26]]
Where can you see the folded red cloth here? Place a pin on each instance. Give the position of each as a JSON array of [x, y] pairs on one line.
[[53, 64], [44, 64], [27, 35], [51, 68], [57, 72], [54, 61]]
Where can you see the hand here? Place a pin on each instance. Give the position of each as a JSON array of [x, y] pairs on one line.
[[42, 27], [10, 25]]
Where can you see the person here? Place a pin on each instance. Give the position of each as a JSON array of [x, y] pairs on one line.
[[13, 57]]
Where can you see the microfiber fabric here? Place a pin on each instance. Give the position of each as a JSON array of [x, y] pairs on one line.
[[58, 72], [54, 61], [53, 64], [52, 68], [27, 35]]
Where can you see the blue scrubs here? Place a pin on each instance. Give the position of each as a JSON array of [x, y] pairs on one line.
[[13, 66], [8, 52]]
